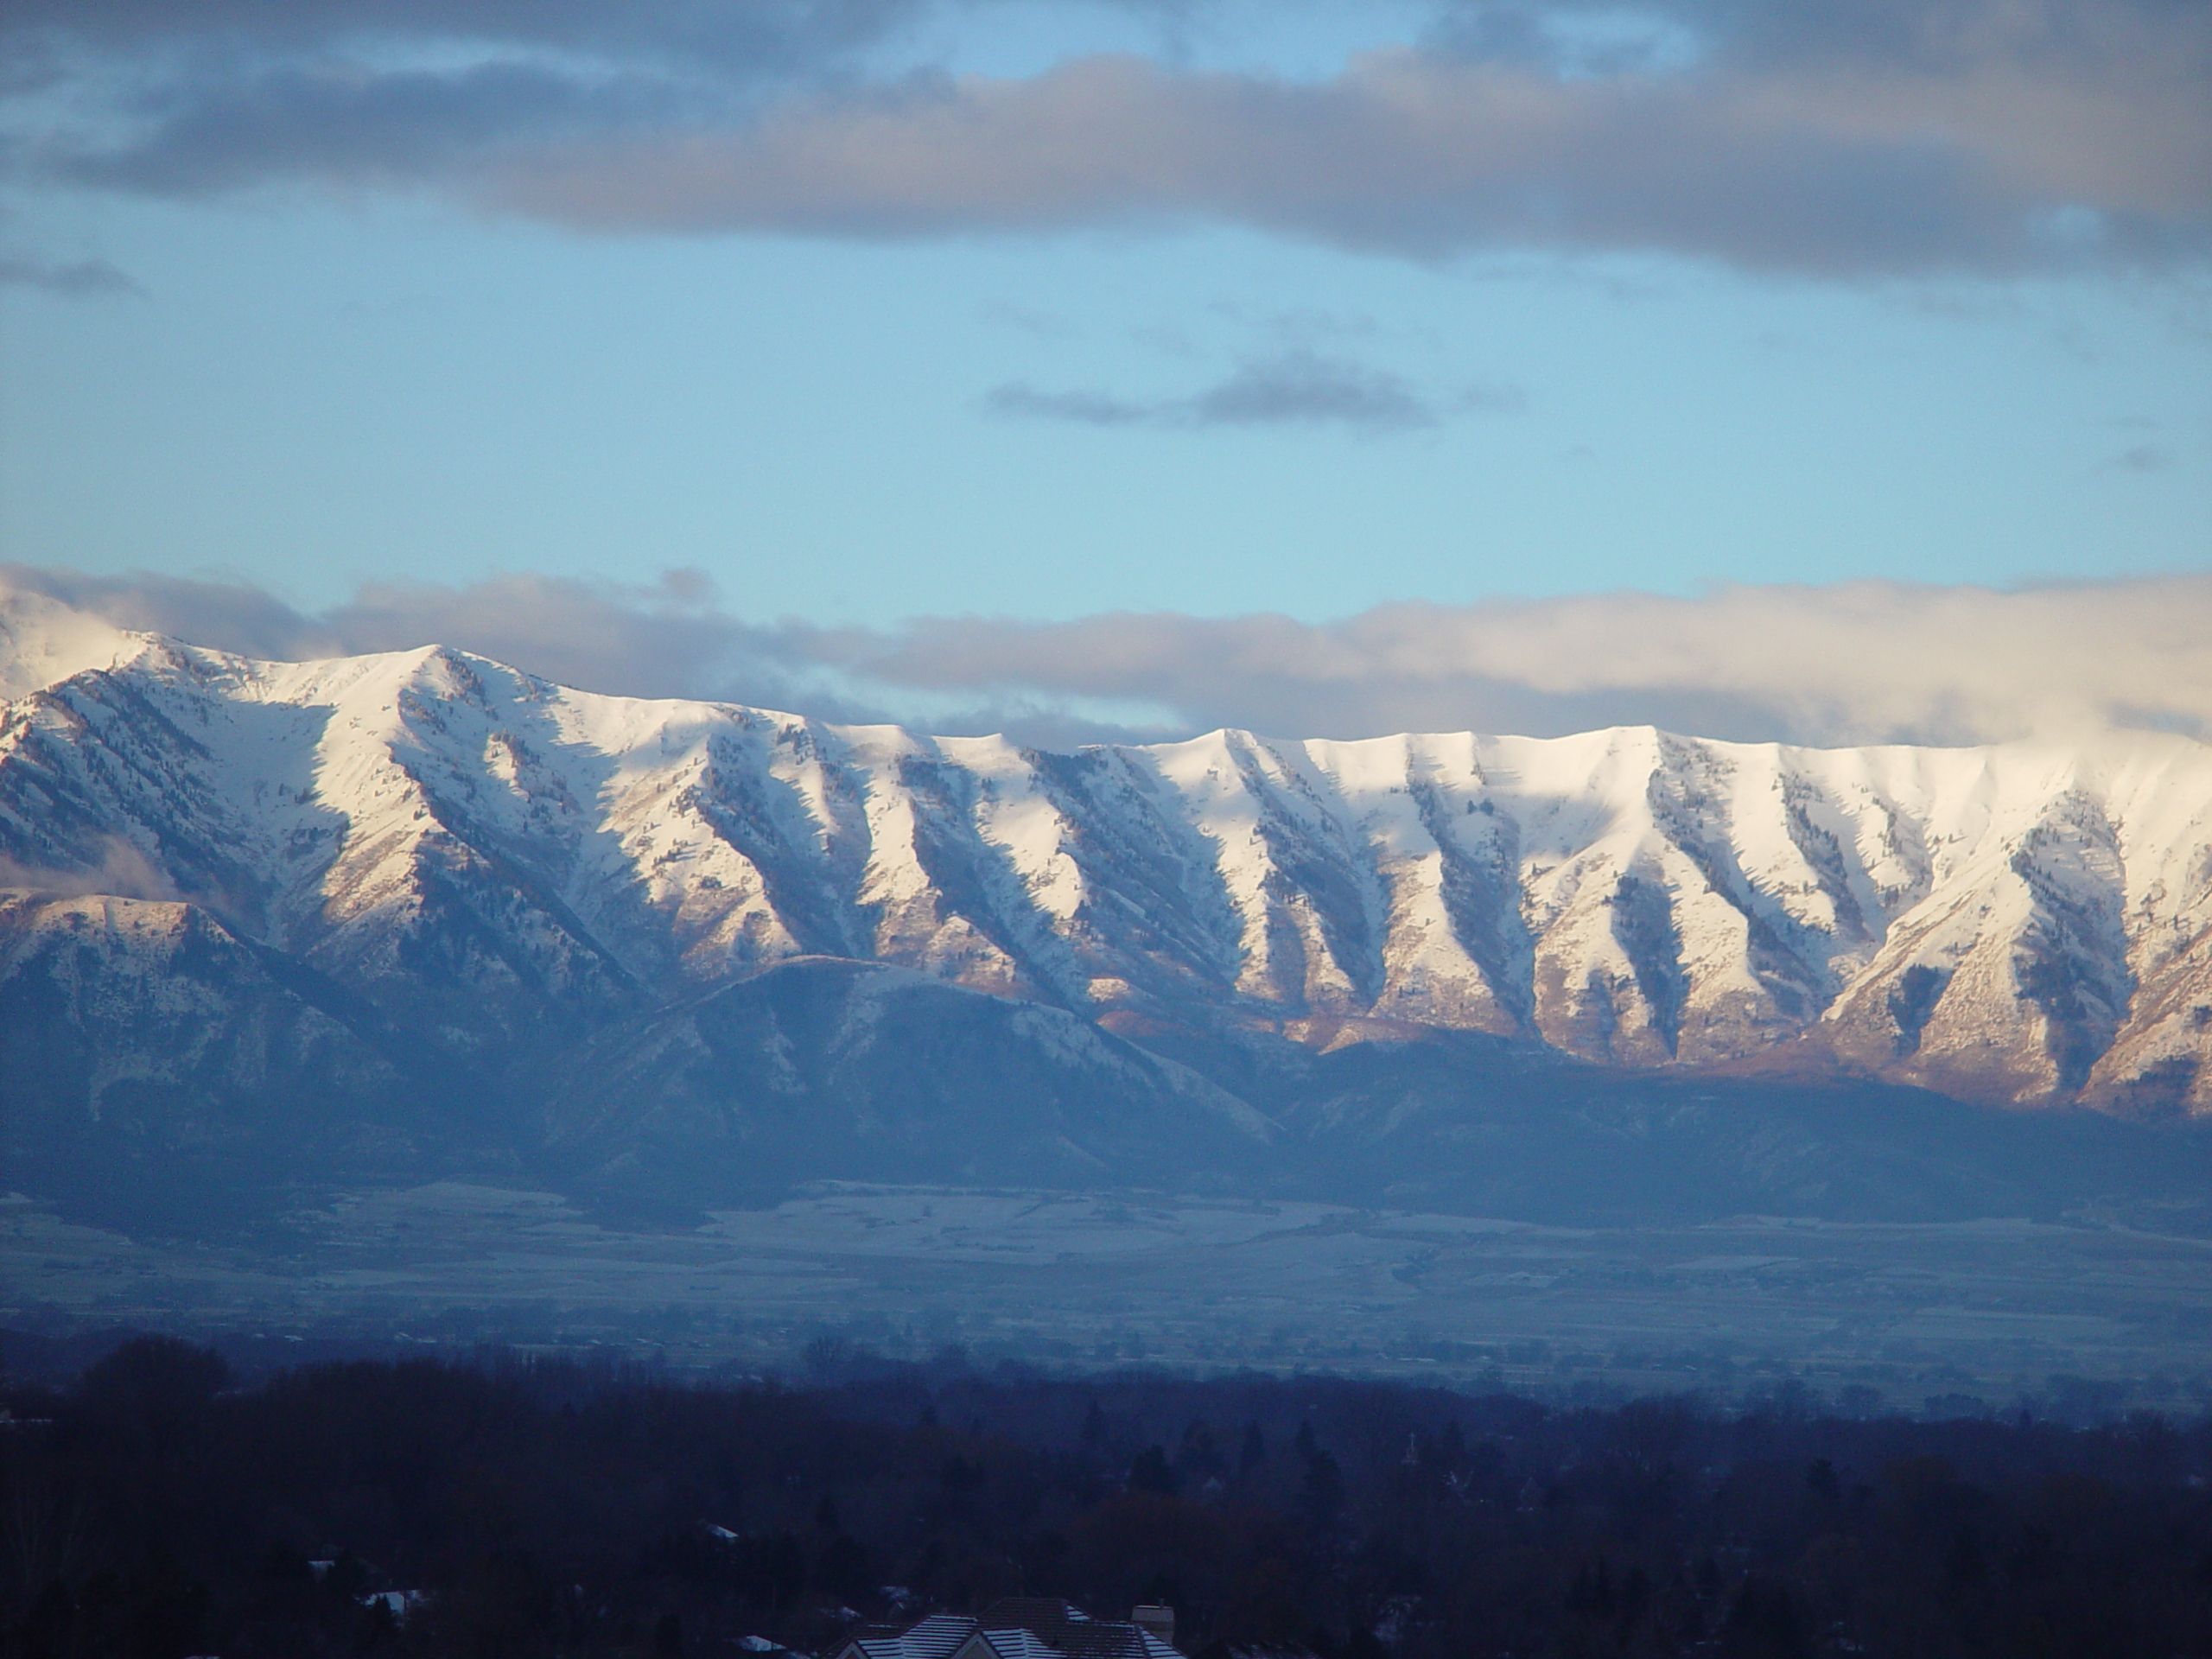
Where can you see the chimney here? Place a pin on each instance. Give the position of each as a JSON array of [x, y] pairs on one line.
[[1155, 1621]]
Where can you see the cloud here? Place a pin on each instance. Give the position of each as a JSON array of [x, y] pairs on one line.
[[1292, 388], [1887, 136], [1299, 387], [118, 869], [2142, 458], [1422, 156], [75, 279], [1854, 662], [1084, 407], [756, 35], [665, 639], [340, 125]]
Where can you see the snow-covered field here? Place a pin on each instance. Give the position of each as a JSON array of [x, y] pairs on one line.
[[1993, 1308]]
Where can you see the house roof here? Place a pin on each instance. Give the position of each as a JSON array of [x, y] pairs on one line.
[[1014, 1627], [939, 1636], [1011, 1644], [1070, 1632]]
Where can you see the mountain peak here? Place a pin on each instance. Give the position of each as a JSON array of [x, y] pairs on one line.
[[44, 641], [510, 862]]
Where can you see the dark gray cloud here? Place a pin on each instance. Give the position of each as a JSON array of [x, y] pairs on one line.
[[1292, 388], [76, 279], [1929, 36], [1835, 137], [1302, 388], [1421, 155], [188, 97], [1861, 662], [1021, 399], [340, 126], [2142, 458], [747, 35]]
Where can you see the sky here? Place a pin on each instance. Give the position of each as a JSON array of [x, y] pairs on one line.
[[1122, 367]]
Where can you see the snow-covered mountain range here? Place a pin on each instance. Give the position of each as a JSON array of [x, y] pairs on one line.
[[490, 860]]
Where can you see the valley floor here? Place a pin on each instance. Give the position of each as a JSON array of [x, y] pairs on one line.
[[2078, 1317]]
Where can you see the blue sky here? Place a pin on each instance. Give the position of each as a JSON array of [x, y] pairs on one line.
[[314, 396], [873, 312]]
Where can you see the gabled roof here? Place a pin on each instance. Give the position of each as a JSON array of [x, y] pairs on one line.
[[939, 1636], [1067, 1631], [1014, 1627], [1008, 1645]]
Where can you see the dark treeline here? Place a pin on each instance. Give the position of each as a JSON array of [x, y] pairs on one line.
[[154, 1510]]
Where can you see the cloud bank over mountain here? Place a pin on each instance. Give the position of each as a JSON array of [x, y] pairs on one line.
[[1855, 663], [1905, 137]]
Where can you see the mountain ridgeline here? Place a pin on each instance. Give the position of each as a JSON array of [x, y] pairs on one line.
[[344, 920]]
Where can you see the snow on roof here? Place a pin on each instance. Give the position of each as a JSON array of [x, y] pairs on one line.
[[939, 1636], [1011, 1644]]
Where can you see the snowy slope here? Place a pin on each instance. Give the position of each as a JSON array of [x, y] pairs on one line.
[[495, 862]]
